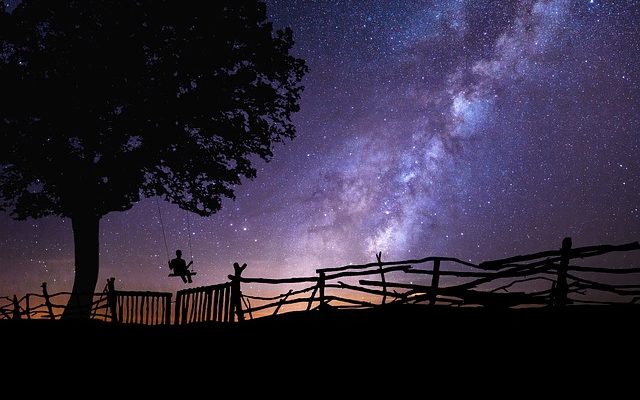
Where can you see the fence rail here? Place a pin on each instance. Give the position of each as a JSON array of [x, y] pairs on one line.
[[488, 284], [547, 278]]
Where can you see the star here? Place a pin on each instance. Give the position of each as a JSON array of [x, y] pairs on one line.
[[450, 128]]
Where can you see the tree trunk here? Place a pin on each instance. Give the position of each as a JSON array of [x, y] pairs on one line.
[[85, 240]]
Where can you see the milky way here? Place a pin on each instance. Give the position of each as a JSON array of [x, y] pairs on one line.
[[476, 129]]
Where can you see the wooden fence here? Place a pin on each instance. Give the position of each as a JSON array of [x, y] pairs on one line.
[[204, 304], [49, 306], [548, 278], [200, 304], [148, 308]]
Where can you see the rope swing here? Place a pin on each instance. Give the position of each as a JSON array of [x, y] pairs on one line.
[[164, 236], [178, 266]]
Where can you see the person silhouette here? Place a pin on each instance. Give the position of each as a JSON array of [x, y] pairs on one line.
[[180, 267]]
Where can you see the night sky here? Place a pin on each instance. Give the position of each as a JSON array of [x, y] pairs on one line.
[[473, 129]]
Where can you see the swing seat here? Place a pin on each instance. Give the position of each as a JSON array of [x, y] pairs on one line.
[[189, 273]]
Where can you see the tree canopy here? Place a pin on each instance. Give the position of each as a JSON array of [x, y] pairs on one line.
[[104, 102]]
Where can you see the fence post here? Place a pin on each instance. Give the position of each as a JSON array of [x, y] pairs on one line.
[[16, 308], [177, 314], [435, 281], [167, 310], [111, 299], [562, 288], [321, 279], [47, 302], [236, 294], [282, 301], [384, 281], [27, 309], [313, 295]]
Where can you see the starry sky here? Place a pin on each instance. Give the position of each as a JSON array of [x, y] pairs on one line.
[[474, 129]]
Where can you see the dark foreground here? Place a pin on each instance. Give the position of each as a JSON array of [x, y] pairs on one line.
[[417, 328], [407, 338]]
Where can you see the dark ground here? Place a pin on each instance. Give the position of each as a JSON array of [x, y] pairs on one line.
[[411, 340], [418, 329]]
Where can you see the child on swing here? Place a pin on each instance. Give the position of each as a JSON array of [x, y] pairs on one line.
[[180, 267]]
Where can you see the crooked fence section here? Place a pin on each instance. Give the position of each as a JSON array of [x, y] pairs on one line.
[[545, 279], [49, 306]]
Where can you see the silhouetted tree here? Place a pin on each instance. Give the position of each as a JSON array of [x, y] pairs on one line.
[[105, 102]]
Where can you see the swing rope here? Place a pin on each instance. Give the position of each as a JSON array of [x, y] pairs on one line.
[[166, 246], [164, 236], [189, 235]]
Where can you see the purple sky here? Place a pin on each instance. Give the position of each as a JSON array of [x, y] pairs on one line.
[[472, 129]]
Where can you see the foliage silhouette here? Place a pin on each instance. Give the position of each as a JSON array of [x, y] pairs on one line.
[[107, 102]]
